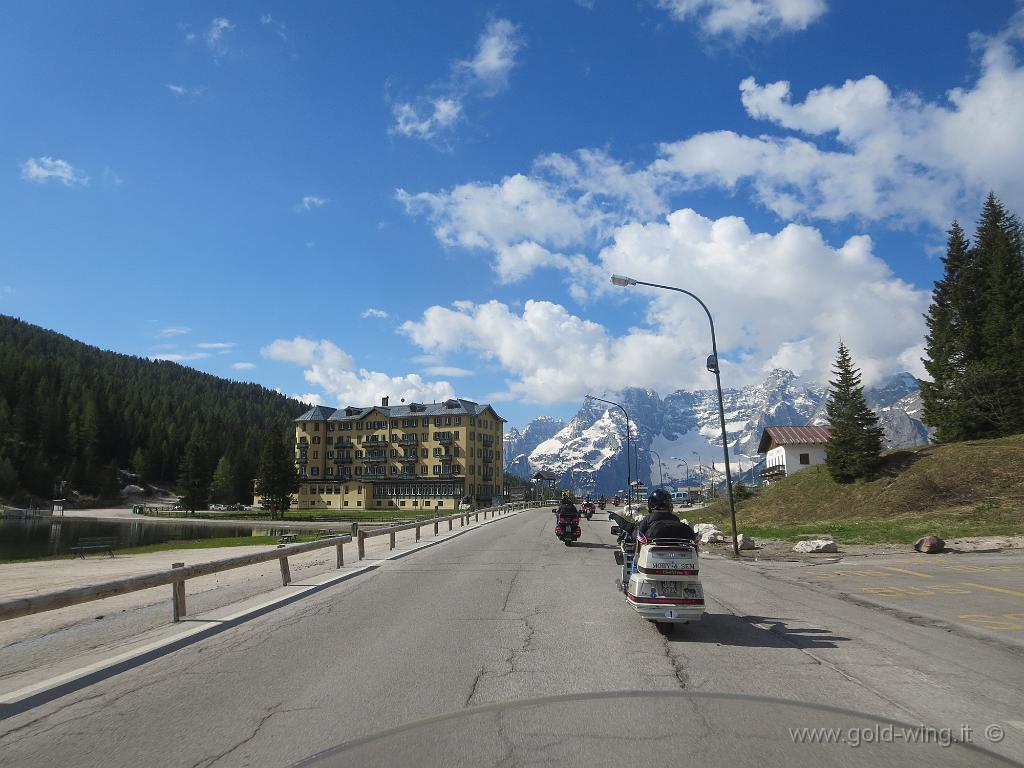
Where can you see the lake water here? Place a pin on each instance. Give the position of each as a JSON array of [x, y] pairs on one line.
[[39, 537]]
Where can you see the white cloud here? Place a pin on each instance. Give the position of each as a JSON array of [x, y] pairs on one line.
[[183, 90], [425, 121], [220, 346], [374, 312], [887, 156], [41, 169], [743, 18], [179, 357], [494, 58], [484, 75], [333, 370], [449, 370], [174, 330], [243, 366], [780, 298], [216, 35], [309, 202]]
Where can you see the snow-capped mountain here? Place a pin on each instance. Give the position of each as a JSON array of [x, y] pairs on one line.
[[683, 429], [519, 445]]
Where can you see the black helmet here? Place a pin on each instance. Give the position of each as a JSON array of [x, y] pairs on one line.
[[660, 499]]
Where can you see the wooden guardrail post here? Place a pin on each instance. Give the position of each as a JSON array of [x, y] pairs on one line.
[[341, 556], [391, 536], [417, 533], [449, 523], [435, 527], [477, 518], [286, 573], [178, 596], [362, 545]]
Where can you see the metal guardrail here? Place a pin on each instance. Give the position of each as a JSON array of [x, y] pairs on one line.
[[462, 517], [48, 601]]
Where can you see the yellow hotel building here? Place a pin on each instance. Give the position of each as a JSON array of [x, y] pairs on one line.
[[414, 456]]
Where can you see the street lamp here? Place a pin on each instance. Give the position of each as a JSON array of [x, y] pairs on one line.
[[680, 458], [713, 367], [700, 473], [629, 488], [661, 473]]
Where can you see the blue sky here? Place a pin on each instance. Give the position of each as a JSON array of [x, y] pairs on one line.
[[343, 201]]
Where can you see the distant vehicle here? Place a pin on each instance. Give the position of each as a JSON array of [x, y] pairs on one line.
[[616, 500], [681, 497]]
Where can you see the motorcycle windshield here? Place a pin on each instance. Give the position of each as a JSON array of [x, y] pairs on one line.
[[659, 728]]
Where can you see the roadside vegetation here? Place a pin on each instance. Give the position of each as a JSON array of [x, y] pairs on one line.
[[970, 488]]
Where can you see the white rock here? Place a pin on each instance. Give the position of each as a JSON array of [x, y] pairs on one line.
[[816, 545], [132, 490], [745, 542], [712, 537], [699, 528]]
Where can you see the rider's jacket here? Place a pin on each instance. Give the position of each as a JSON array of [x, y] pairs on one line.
[[568, 510], [663, 523]]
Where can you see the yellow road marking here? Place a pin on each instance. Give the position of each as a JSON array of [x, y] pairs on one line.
[[910, 573], [993, 589]]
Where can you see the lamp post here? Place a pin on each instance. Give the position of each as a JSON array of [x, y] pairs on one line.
[[629, 488], [661, 473], [700, 473], [687, 483], [713, 367]]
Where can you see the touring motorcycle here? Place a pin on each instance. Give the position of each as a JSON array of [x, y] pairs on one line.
[[567, 528], [660, 579]]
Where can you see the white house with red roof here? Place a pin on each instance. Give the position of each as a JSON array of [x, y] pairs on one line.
[[789, 449]]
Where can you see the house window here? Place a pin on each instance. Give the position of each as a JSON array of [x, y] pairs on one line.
[[805, 458]]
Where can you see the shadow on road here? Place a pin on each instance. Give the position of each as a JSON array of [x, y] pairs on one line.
[[729, 629]]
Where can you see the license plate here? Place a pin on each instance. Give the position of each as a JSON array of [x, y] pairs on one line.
[[670, 588]]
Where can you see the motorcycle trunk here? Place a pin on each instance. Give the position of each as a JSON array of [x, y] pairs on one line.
[[665, 584]]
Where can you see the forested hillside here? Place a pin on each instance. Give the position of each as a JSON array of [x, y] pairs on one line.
[[71, 412]]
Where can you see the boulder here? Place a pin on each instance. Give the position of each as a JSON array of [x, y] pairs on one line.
[[816, 545], [745, 542], [132, 490], [712, 537], [929, 544], [699, 528]]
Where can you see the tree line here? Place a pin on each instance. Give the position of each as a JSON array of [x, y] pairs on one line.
[[974, 350], [73, 416]]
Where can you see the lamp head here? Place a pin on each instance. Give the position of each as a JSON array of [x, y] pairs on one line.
[[622, 281], [589, 397]]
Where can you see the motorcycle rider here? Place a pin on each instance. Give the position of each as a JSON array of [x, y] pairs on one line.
[[662, 522], [567, 509]]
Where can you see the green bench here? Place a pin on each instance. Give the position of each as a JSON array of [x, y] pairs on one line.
[[93, 544]]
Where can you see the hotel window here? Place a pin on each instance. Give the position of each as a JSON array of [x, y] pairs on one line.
[[316, 454], [316, 439], [316, 426], [330, 428], [330, 439], [314, 471]]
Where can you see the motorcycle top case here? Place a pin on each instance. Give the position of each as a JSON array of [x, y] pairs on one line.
[[668, 561]]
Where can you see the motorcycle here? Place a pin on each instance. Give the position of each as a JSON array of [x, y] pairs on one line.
[[567, 529], [660, 579], [587, 510]]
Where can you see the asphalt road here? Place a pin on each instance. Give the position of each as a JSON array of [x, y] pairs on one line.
[[506, 613]]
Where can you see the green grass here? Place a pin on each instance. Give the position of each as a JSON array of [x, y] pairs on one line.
[[973, 488]]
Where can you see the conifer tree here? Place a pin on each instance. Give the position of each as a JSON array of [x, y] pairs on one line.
[[855, 442], [953, 338], [276, 478], [975, 341], [194, 478], [223, 490]]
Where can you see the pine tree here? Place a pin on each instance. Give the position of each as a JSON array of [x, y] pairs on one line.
[[276, 478], [975, 341], [855, 442], [953, 339], [223, 490], [194, 478]]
